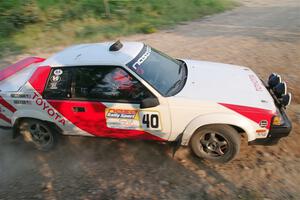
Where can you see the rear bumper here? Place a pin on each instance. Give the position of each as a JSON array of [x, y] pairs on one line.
[[276, 132]]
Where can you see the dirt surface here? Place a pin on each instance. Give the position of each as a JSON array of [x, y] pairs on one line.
[[262, 35]]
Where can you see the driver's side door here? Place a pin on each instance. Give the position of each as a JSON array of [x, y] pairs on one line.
[[105, 101]]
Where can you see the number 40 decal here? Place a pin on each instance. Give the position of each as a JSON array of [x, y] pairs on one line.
[[150, 120]]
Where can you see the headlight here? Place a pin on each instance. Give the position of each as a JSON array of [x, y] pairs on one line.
[[280, 89], [286, 99], [272, 75], [274, 80]]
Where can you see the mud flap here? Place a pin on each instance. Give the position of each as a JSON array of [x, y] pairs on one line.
[[16, 130], [176, 144]]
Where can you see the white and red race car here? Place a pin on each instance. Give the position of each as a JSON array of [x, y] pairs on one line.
[[130, 90]]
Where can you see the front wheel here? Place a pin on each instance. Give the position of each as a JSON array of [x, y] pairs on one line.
[[40, 133], [219, 143]]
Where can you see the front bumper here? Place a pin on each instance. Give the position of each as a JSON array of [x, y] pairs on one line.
[[276, 132]]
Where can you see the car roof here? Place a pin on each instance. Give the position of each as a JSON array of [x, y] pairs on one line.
[[94, 54]]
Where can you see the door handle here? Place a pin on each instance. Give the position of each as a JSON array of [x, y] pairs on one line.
[[78, 109]]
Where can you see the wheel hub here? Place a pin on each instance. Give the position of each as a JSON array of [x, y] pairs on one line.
[[214, 144], [40, 134]]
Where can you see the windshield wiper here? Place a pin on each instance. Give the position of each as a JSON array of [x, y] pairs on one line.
[[181, 66], [183, 78], [174, 86]]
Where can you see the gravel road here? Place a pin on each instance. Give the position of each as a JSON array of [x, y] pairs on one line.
[[263, 35]]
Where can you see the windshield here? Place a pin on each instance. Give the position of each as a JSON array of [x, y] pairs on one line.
[[165, 74]]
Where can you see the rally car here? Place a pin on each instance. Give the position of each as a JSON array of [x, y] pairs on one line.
[[131, 90]]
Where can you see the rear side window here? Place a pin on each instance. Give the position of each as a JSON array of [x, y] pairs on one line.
[[59, 82], [103, 83], [107, 83]]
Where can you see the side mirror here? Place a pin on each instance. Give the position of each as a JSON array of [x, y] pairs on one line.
[[149, 103]]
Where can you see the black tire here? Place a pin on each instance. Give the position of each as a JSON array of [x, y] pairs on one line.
[[218, 143], [41, 134]]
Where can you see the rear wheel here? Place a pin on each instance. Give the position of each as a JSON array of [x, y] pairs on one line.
[[40, 133], [219, 143]]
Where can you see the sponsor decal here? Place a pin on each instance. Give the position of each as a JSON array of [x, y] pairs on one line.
[[261, 132], [124, 119], [58, 72], [22, 102], [150, 120], [126, 114], [53, 85], [142, 59], [46, 108], [55, 78], [139, 59], [132, 119], [255, 82], [21, 96], [263, 123]]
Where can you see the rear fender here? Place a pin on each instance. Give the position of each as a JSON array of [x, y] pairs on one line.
[[218, 118], [33, 114]]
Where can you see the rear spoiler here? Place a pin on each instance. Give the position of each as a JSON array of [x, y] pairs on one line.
[[16, 67], [13, 77]]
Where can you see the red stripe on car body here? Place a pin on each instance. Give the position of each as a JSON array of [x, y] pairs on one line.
[[93, 120], [4, 118], [14, 68], [252, 113], [7, 105], [39, 78]]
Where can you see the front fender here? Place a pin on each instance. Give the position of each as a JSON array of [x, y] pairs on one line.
[[218, 118]]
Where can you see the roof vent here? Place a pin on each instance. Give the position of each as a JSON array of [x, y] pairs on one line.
[[116, 46]]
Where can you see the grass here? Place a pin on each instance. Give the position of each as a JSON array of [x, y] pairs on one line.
[[47, 23]]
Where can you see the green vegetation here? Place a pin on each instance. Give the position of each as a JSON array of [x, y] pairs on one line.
[[44, 23]]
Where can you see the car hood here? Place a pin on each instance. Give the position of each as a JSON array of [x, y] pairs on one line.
[[223, 83]]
